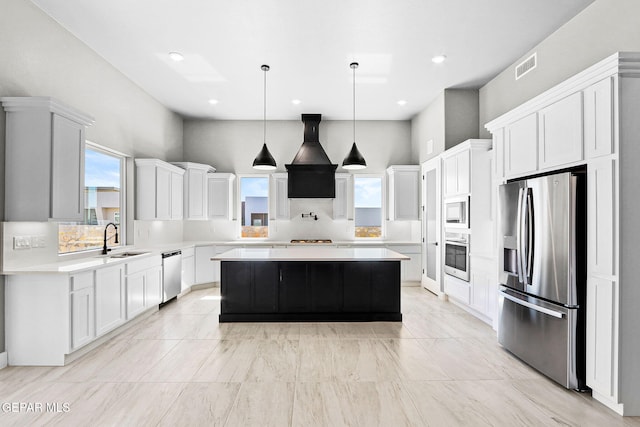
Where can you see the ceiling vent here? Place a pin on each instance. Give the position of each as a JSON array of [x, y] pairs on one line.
[[527, 65]]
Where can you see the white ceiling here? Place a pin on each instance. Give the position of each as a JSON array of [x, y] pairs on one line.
[[309, 45]]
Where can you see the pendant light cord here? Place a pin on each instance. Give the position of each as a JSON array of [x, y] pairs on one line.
[[265, 68], [354, 65]]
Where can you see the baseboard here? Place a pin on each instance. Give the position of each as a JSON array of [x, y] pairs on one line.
[[409, 283], [3, 360], [205, 286]]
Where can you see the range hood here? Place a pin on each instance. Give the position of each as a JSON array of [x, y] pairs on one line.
[[311, 173]]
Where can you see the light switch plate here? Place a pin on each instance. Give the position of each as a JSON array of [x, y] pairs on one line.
[[21, 242], [38, 241]]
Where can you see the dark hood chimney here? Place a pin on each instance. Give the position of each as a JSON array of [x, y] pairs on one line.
[[311, 173]]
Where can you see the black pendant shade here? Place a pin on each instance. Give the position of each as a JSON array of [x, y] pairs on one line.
[[354, 159], [264, 160]]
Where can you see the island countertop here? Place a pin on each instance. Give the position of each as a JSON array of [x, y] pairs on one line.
[[310, 253]]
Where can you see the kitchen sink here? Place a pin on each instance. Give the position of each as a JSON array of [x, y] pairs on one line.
[[127, 254]]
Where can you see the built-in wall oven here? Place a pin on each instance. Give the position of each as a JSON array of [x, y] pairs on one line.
[[456, 258], [456, 212]]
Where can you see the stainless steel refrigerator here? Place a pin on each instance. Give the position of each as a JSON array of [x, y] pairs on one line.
[[543, 279]]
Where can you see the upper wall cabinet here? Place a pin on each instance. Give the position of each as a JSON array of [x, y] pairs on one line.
[[281, 192], [220, 195], [404, 193], [44, 160], [456, 174], [159, 190], [195, 189], [342, 201], [521, 146], [598, 119], [560, 131]]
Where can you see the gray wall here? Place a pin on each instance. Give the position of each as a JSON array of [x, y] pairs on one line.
[[40, 58], [231, 145], [603, 28], [452, 117]]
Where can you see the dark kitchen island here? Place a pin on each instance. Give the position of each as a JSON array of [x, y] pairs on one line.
[[310, 284]]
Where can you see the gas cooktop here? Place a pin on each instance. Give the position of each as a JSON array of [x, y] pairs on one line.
[[311, 241]]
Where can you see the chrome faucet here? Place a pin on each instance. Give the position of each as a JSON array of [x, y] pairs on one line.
[[104, 246]]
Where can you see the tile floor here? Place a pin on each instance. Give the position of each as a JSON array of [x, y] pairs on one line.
[[439, 367]]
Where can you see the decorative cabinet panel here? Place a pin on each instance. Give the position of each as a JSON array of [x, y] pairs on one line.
[[456, 174], [341, 202], [195, 189], [159, 190], [110, 299], [44, 158], [153, 286], [83, 322], [205, 268], [521, 146], [404, 192], [281, 191], [188, 269], [598, 118], [221, 195], [560, 130], [601, 216], [135, 294]]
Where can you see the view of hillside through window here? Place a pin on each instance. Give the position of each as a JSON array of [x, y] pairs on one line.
[[254, 197], [102, 204], [367, 192]]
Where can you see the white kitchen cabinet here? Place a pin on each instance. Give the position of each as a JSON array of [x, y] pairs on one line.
[[188, 269], [196, 191], [135, 294], [281, 191], [521, 146], [598, 118], [411, 269], [602, 317], [221, 195], [110, 298], [341, 202], [153, 286], [44, 158], [601, 216], [456, 170], [204, 266], [498, 153], [483, 287], [457, 289], [83, 324], [404, 192], [159, 190], [560, 132]]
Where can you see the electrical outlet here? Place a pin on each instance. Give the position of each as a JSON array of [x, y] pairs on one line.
[[38, 241], [21, 242]]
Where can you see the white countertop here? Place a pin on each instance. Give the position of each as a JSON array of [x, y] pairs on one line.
[[310, 253]]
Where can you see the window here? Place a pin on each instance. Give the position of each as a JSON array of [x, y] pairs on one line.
[[254, 205], [367, 193], [103, 203]]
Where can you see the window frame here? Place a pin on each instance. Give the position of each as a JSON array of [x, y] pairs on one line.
[[124, 217], [383, 202], [239, 206]]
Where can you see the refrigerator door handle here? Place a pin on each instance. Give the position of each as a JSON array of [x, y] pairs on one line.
[[532, 306], [530, 236], [519, 236]]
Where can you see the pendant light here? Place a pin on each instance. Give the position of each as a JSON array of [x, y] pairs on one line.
[[264, 160], [354, 159]]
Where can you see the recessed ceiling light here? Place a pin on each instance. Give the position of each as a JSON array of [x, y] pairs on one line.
[[176, 56], [402, 103], [439, 59], [296, 101], [213, 101]]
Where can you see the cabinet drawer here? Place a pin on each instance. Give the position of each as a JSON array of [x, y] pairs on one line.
[[187, 252], [142, 264], [81, 280], [457, 289]]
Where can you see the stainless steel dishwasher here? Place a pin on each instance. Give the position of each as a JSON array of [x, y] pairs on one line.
[[171, 274]]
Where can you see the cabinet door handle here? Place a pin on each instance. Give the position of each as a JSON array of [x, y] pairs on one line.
[[280, 275]]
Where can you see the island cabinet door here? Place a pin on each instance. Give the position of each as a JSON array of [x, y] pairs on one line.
[[265, 287], [236, 287], [294, 295], [357, 286], [325, 284], [385, 286]]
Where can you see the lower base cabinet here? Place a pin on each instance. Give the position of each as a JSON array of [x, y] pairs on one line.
[[82, 310], [307, 290], [110, 299]]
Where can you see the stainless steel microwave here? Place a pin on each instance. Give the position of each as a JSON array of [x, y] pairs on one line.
[[456, 212]]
